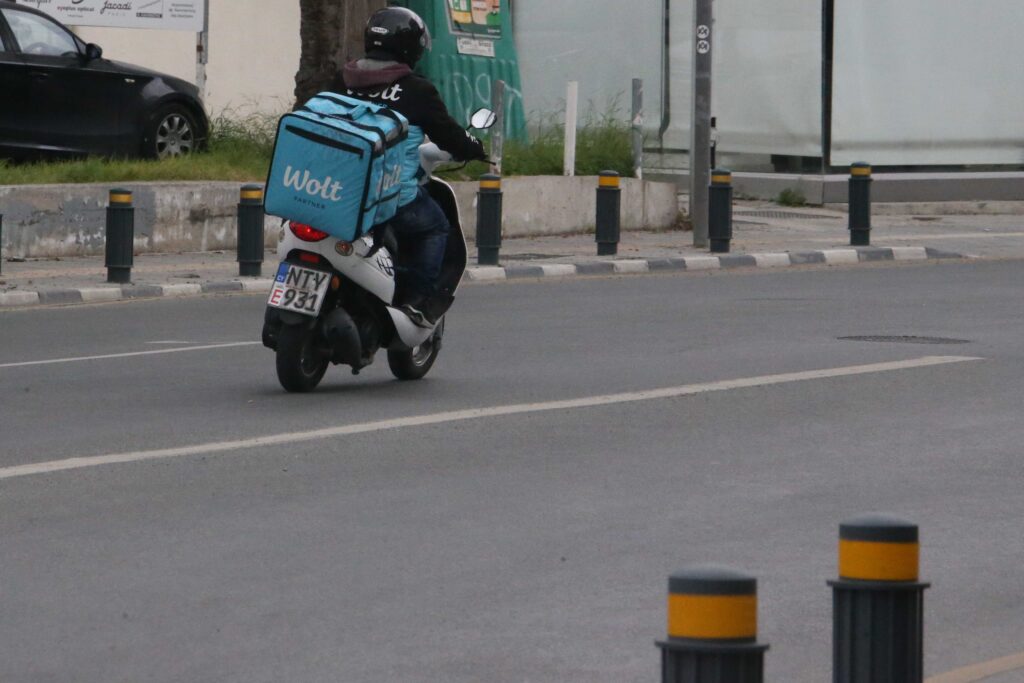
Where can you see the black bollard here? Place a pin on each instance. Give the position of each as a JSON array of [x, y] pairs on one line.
[[120, 236], [488, 220], [712, 628], [878, 603], [720, 211], [250, 231], [609, 212], [860, 205]]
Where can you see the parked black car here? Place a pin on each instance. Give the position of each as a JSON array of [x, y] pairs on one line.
[[58, 96]]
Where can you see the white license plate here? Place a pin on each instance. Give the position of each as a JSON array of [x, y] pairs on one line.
[[299, 289]]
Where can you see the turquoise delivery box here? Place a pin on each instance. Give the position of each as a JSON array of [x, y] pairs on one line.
[[337, 165]]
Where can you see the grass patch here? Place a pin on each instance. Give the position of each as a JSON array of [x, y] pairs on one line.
[[602, 144], [240, 148], [790, 197]]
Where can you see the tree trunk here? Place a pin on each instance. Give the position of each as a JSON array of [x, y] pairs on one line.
[[332, 34]]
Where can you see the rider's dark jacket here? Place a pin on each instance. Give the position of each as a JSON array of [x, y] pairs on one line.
[[394, 85]]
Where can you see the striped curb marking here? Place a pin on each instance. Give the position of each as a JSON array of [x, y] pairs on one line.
[[495, 273], [837, 257]]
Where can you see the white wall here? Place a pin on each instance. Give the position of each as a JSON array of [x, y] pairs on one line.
[[602, 44], [915, 81], [254, 53], [925, 82], [766, 76]]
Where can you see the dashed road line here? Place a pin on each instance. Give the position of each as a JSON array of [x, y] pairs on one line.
[[108, 356], [981, 671], [246, 445]]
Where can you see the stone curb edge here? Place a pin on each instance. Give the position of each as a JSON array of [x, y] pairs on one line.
[[493, 273], [114, 293], [833, 257]]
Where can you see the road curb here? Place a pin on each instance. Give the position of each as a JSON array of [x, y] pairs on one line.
[[846, 256], [20, 299]]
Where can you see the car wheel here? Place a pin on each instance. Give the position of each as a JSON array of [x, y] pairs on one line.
[[172, 132]]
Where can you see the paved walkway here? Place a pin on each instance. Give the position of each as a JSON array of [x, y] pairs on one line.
[[765, 235]]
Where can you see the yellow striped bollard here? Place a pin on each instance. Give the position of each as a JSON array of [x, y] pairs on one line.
[[609, 214], [859, 216], [249, 244], [720, 211], [878, 603], [488, 220], [120, 240], [712, 628]]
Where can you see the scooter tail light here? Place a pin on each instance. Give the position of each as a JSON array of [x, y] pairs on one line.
[[307, 233]]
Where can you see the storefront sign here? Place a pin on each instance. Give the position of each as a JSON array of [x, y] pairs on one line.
[[474, 47], [480, 18], [172, 15]]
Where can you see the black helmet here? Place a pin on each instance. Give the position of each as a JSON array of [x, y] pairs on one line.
[[396, 32]]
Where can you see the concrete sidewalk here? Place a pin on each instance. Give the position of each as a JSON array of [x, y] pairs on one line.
[[765, 235]]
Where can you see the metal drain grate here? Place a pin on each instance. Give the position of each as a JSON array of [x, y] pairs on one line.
[[905, 339], [785, 215]]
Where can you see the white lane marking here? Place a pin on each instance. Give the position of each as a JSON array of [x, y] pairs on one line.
[[132, 354], [471, 414], [979, 672]]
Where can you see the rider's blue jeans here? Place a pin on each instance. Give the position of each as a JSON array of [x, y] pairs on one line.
[[421, 229]]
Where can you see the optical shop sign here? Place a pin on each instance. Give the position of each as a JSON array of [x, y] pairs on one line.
[[173, 15]]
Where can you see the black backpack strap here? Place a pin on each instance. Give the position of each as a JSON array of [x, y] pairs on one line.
[[403, 125]]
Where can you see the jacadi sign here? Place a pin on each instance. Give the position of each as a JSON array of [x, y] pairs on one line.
[[171, 15]]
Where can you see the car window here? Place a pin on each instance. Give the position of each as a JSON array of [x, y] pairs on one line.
[[38, 35]]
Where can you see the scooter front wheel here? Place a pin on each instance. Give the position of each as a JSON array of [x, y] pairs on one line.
[[300, 366], [416, 363]]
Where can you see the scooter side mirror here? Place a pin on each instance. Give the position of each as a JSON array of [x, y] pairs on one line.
[[482, 119]]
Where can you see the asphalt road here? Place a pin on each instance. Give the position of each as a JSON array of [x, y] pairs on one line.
[[531, 543]]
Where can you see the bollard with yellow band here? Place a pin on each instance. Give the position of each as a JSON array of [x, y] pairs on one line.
[[250, 231], [712, 628], [120, 236], [878, 603], [609, 211], [860, 205], [720, 211], [488, 220]]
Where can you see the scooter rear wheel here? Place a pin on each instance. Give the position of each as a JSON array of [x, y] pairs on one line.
[[416, 363], [300, 366]]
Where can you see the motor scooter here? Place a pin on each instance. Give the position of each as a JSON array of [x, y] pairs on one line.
[[333, 301]]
